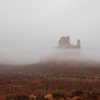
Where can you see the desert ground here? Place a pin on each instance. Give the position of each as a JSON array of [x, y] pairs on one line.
[[48, 77]]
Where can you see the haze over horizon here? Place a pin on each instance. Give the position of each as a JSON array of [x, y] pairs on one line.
[[29, 29]]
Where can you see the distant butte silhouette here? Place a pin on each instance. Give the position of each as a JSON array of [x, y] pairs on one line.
[[64, 43]]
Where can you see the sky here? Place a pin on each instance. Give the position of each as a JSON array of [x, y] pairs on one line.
[[32, 25]]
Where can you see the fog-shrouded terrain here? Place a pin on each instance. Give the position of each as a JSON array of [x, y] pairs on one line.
[[39, 55], [30, 30], [36, 55]]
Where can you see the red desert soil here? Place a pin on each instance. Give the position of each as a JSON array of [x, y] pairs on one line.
[[46, 77]]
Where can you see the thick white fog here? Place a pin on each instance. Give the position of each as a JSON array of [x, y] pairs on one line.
[[30, 29]]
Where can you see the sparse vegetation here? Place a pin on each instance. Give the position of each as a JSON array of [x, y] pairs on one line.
[[71, 81]]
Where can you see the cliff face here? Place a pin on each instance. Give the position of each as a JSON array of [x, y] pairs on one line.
[[64, 42]]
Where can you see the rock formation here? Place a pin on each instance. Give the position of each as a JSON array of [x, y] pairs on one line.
[[64, 42]]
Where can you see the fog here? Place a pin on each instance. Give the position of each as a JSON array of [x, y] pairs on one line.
[[30, 29]]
